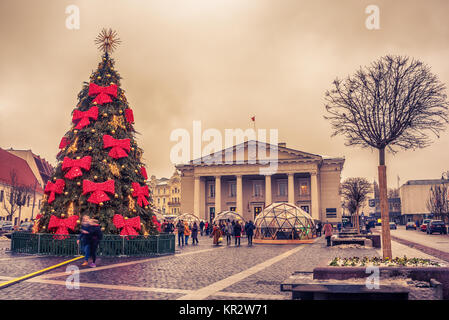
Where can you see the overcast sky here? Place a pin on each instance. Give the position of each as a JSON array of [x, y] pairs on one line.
[[218, 61]]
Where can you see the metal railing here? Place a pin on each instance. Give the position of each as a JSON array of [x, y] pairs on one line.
[[110, 245]]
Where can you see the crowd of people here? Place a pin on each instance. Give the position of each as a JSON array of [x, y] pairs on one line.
[[217, 231]]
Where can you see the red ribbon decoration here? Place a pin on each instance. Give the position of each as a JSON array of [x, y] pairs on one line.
[[64, 143], [103, 94], [83, 117], [118, 146], [62, 226], [75, 166], [54, 188], [129, 115], [140, 193], [129, 226], [143, 172], [156, 223], [98, 190]]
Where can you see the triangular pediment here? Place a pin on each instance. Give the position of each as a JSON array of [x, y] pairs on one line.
[[252, 152]]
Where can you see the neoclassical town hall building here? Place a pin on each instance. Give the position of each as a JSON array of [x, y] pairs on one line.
[[307, 180]]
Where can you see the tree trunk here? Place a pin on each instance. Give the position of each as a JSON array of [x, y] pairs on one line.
[[357, 224], [384, 211]]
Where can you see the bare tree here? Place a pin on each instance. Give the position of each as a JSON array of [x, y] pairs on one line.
[[15, 196], [393, 193], [437, 202], [355, 192], [393, 103]]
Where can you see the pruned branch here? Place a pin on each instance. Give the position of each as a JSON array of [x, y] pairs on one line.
[[393, 103]]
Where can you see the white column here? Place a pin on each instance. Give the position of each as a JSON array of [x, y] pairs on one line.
[[291, 188], [314, 196], [217, 195], [239, 199], [268, 199], [196, 197]]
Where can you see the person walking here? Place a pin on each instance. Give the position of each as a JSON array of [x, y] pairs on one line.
[[249, 229], [237, 233], [201, 227], [180, 227], [83, 239], [194, 234], [95, 235], [319, 227], [328, 233], [216, 233], [206, 228], [186, 233], [229, 232]]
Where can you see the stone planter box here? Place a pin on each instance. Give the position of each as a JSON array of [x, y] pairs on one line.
[[440, 274]]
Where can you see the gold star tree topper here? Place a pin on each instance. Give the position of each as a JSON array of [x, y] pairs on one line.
[[107, 40]]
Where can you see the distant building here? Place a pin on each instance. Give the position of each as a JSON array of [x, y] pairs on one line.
[[167, 194], [42, 170], [306, 180], [15, 174], [394, 209], [414, 195]]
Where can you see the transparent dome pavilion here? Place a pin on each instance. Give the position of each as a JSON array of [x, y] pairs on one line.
[[284, 223]]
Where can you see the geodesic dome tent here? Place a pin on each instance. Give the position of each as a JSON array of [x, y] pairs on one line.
[[190, 218], [231, 215], [284, 221]]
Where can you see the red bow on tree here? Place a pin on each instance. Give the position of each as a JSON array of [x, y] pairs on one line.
[[156, 223], [98, 190], [53, 188], [64, 143], [143, 172], [62, 226], [118, 146], [83, 117], [75, 166], [129, 115], [140, 193], [129, 226], [102, 93]]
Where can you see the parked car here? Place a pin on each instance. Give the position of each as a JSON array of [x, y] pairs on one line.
[[424, 225], [436, 226], [6, 226], [393, 225], [26, 226], [410, 225]]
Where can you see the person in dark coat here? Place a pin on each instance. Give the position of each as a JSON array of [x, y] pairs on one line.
[[180, 226], [83, 239], [201, 227], [194, 233], [95, 236], [249, 229], [237, 233]]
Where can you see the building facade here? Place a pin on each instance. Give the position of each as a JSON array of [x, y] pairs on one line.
[[18, 181], [167, 194], [237, 181], [414, 195]]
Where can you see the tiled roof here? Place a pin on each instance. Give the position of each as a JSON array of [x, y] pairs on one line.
[[10, 163]]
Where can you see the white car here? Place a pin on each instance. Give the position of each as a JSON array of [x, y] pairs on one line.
[[6, 226]]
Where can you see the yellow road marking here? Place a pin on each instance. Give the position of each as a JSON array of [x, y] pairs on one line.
[[30, 275]]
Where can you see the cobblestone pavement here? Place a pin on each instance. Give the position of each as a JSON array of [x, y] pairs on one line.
[[226, 272]]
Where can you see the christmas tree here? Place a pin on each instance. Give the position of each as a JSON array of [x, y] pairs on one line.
[[100, 171]]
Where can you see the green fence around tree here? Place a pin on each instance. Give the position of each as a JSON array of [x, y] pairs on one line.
[[110, 245]]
